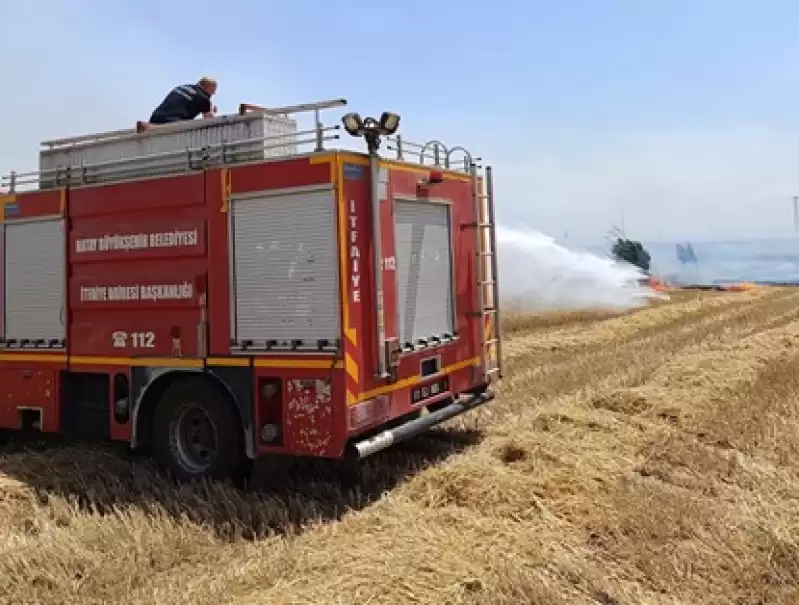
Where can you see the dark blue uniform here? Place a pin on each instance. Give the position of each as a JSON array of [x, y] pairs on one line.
[[184, 102]]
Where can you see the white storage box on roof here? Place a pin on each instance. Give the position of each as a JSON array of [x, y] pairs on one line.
[[126, 155]]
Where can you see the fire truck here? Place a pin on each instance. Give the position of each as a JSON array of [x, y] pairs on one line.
[[226, 289]]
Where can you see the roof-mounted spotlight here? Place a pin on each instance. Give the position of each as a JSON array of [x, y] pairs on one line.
[[370, 129], [353, 124], [389, 122]]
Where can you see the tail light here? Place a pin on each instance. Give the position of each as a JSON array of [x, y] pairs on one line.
[[269, 415]]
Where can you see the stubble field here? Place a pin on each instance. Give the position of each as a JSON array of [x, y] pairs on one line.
[[650, 457]]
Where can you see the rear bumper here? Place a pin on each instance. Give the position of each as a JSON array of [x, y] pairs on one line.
[[385, 439]]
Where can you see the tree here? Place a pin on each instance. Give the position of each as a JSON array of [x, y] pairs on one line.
[[630, 251]]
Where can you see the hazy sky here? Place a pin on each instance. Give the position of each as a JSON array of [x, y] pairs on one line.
[[679, 114]]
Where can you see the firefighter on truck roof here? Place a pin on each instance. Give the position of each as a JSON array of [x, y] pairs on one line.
[[184, 102]]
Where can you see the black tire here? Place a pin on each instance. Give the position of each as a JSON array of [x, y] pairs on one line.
[[197, 434]]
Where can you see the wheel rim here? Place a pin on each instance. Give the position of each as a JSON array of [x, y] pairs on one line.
[[194, 439]]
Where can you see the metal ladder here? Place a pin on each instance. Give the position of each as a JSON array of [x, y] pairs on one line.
[[487, 273]]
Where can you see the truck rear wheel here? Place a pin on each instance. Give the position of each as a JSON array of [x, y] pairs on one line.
[[196, 433]]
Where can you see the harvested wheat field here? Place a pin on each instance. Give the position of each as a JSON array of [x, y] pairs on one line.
[[651, 457]]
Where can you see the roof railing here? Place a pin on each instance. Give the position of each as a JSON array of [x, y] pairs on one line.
[[433, 153], [441, 155], [187, 125]]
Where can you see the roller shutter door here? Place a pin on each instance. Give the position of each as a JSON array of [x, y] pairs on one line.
[[34, 280], [286, 268], [424, 269]]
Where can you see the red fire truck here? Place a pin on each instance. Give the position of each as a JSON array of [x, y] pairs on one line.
[[220, 290]]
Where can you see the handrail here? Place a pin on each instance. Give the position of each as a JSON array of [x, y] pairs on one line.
[[302, 107], [100, 136], [180, 158], [130, 134], [399, 145], [187, 125]]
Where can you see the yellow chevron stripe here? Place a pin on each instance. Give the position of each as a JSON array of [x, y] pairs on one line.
[[352, 368], [227, 187], [341, 201]]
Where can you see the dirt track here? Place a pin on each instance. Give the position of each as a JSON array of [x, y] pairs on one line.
[[649, 458]]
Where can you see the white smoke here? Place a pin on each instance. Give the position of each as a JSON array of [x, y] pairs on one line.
[[538, 273]]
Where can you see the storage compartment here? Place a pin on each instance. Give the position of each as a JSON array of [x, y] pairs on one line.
[[285, 271], [108, 157], [423, 244], [34, 283]]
